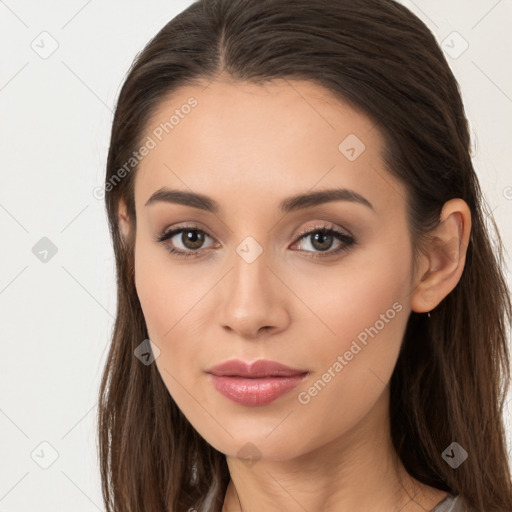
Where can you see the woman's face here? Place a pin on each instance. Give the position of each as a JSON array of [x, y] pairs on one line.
[[254, 285]]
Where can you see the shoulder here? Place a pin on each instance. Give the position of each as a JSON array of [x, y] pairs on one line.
[[450, 504]]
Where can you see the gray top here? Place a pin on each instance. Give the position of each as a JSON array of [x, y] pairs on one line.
[[450, 504]]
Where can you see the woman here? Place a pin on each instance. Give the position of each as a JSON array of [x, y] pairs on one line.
[[311, 315]]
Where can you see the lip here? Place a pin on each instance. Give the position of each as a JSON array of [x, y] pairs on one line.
[[258, 369], [255, 384]]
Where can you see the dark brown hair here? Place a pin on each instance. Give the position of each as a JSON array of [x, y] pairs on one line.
[[452, 373]]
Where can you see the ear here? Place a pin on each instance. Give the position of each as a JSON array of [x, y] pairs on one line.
[[124, 220], [442, 261]]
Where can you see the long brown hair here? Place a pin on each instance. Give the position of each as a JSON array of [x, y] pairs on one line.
[[452, 373]]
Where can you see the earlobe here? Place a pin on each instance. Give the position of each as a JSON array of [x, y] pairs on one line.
[[444, 257]]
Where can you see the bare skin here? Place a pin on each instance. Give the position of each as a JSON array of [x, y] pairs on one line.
[[248, 147]]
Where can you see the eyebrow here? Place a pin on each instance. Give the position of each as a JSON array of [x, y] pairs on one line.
[[289, 204]]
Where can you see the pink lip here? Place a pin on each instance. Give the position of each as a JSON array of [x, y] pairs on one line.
[[254, 384]]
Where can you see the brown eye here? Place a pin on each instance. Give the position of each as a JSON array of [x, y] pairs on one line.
[[192, 238], [184, 241], [322, 238], [322, 241]]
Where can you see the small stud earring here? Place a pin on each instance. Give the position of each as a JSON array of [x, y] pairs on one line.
[[428, 314]]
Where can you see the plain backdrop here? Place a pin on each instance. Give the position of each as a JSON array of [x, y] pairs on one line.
[[61, 68]]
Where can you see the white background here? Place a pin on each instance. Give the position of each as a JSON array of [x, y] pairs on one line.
[[55, 117]]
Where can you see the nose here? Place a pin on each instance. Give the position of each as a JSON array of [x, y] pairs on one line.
[[254, 299]]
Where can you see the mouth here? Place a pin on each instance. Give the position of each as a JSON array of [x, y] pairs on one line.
[[255, 384]]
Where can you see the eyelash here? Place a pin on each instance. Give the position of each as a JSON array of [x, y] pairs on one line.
[[347, 240]]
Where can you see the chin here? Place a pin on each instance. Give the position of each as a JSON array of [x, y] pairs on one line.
[[254, 443]]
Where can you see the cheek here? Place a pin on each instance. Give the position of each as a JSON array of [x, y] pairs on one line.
[[154, 296], [164, 304], [164, 292], [363, 308], [368, 289], [171, 301]]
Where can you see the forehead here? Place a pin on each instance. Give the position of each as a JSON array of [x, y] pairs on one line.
[[231, 139]]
